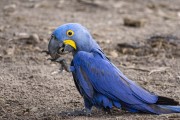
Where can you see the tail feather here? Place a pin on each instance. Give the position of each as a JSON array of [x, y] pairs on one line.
[[166, 101], [153, 108], [174, 109]]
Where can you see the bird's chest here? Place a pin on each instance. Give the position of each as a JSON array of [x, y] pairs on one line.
[[82, 83], [76, 76]]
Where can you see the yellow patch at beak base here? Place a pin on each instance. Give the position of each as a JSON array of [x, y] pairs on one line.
[[71, 43]]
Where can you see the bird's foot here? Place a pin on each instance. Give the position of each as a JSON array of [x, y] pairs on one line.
[[84, 112], [63, 63]]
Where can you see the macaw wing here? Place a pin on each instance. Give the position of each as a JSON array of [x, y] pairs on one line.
[[99, 74]]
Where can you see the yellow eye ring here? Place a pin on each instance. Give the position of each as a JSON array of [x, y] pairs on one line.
[[70, 33]]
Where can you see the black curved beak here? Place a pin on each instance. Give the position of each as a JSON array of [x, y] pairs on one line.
[[57, 48], [53, 48]]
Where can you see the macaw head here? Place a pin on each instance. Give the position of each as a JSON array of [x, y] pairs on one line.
[[71, 37]]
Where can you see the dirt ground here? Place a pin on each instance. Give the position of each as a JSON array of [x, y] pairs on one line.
[[147, 51]]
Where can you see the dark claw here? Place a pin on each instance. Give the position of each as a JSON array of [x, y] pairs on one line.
[[63, 63], [59, 60]]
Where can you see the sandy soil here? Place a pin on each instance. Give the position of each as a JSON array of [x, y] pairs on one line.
[[32, 88]]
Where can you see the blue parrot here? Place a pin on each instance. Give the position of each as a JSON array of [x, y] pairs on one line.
[[98, 80]]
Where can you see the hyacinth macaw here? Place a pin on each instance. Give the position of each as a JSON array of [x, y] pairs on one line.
[[98, 80]]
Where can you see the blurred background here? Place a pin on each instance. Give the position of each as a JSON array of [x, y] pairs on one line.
[[141, 37]]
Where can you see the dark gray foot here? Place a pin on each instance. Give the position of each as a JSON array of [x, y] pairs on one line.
[[63, 63], [84, 112]]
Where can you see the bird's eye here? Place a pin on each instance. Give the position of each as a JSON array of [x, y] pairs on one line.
[[70, 33]]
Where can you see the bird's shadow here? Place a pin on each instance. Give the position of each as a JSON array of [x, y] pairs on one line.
[[97, 113]]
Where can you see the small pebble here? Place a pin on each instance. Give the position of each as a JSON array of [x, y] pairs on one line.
[[34, 109], [10, 50], [134, 22], [2, 28], [10, 8], [42, 4], [34, 38], [37, 49], [55, 72], [114, 53], [30, 38], [22, 35]]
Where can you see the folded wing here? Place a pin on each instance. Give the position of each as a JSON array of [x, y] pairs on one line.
[[96, 73]]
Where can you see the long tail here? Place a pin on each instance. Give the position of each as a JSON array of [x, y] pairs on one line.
[[171, 109], [167, 105], [164, 105], [153, 108]]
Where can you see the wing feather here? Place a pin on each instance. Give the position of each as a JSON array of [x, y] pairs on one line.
[[101, 75]]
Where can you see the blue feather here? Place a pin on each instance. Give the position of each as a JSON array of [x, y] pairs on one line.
[[97, 75], [175, 109], [100, 82]]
